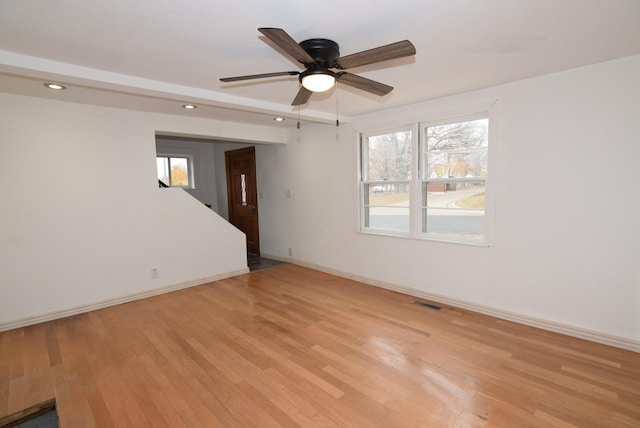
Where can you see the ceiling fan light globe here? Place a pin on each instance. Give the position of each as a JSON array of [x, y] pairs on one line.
[[318, 82]]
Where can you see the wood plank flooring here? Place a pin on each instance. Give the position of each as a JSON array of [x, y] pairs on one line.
[[294, 347]]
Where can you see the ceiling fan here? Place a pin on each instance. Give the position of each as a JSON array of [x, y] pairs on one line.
[[319, 56]]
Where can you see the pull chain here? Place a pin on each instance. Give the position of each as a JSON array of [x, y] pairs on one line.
[[298, 116], [337, 121]]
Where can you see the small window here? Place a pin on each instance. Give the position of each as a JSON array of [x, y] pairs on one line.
[[175, 171]]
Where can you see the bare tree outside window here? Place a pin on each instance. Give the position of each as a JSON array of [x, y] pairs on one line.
[[457, 150], [389, 156]]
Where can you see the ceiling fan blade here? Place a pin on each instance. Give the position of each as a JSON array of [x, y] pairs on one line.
[[363, 83], [303, 96], [379, 54], [259, 76], [284, 41]]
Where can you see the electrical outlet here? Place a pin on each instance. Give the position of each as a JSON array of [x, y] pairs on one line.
[[155, 273]]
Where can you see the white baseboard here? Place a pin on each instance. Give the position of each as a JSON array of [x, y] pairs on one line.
[[569, 330], [50, 316]]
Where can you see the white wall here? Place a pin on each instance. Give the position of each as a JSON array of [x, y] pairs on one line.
[[83, 221], [273, 205], [567, 214]]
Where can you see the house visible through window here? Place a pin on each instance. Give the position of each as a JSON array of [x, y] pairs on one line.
[[429, 184], [174, 171]]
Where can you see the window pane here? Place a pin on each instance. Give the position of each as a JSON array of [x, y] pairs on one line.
[[456, 150], [450, 208], [387, 206], [243, 189], [179, 172], [163, 170], [388, 157]]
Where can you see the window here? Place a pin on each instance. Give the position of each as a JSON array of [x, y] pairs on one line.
[[453, 171], [444, 199], [386, 179], [175, 171]]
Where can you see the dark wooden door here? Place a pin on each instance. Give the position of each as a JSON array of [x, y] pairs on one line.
[[242, 194]]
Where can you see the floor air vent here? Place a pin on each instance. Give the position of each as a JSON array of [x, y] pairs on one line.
[[428, 305]]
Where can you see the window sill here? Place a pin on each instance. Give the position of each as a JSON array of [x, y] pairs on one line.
[[426, 238]]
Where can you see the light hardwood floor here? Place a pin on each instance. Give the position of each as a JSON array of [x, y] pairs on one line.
[[290, 346]]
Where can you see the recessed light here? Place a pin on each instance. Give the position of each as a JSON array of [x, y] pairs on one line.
[[189, 106], [55, 86], [279, 119]]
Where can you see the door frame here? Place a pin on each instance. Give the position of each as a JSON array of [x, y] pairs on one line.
[[253, 188]]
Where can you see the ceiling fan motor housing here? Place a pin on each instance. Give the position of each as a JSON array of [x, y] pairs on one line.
[[323, 51]]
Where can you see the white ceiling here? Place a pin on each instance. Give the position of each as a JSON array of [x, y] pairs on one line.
[[155, 55]]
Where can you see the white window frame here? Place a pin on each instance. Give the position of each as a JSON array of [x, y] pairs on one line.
[[415, 183], [189, 159]]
